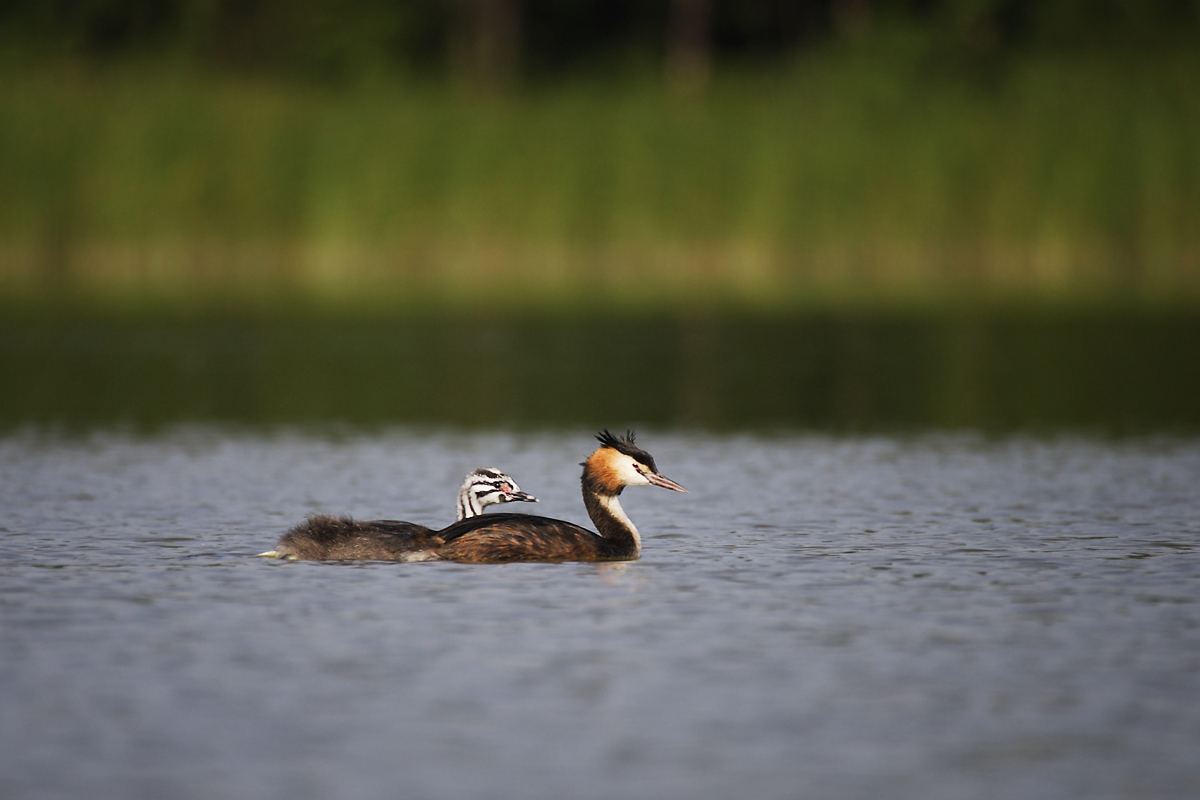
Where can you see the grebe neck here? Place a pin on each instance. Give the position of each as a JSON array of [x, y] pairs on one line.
[[468, 505], [612, 522]]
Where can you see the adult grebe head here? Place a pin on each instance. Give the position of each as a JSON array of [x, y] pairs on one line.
[[618, 463]]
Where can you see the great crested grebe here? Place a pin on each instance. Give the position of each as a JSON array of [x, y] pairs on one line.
[[323, 537], [494, 538]]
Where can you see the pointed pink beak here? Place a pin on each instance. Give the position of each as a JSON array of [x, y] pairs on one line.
[[665, 482]]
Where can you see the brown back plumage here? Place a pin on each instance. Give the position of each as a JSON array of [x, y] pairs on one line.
[[498, 538], [322, 537]]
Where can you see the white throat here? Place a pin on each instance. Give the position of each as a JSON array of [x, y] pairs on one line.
[[613, 506]]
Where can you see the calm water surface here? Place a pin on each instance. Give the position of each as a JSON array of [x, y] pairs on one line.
[[900, 617]]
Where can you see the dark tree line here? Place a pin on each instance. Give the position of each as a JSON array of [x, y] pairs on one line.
[[498, 41]]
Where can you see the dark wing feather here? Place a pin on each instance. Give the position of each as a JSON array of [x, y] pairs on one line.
[[322, 537], [493, 538], [510, 520]]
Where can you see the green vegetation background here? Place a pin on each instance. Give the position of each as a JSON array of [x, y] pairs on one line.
[[848, 173]]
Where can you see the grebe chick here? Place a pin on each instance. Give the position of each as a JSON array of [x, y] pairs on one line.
[[495, 538], [322, 537]]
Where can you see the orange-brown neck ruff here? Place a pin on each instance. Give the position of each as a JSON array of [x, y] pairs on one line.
[[601, 473]]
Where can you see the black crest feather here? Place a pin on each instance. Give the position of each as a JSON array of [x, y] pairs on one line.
[[626, 445]]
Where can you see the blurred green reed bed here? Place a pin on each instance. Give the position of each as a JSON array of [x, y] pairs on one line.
[[842, 180]]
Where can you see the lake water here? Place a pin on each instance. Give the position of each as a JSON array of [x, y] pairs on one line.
[[822, 616]]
